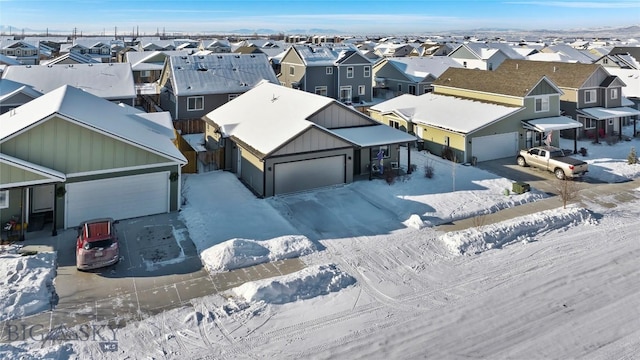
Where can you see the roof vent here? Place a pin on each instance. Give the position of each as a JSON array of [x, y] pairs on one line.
[[554, 69], [219, 56]]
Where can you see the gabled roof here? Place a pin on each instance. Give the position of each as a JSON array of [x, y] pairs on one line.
[[219, 73], [516, 83], [268, 115], [418, 68], [631, 78], [108, 81], [151, 60], [72, 56], [324, 55], [8, 60], [93, 112], [446, 112], [577, 55], [49, 175], [564, 75], [484, 51], [9, 88]]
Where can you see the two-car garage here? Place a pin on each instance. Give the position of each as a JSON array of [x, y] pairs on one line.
[[496, 146], [300, 175]]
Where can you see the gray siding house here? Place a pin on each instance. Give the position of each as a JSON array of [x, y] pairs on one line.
[[191, 86], [338, 72]]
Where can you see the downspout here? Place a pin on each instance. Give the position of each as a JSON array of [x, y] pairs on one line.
[[408, 158], [179, 188]]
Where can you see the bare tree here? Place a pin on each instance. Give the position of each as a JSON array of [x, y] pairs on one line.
[[567, 190]]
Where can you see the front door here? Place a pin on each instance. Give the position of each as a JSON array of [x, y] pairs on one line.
[[42, 198]]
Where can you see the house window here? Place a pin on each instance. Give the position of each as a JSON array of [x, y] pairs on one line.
[[400, 88], [464, 64], [490, 66], [614, 94], [590, 96], [321, 90], [412, 89], [195, 103], [145, 73], [394, 124], [446, 141], [292, 70], [329, 70], [542, 104], [4, 199], [233, 96], [605, 61], [367, 71], [350, 72], [361, 89], [589, 123]]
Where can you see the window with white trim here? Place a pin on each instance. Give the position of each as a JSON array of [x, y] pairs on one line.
[[361, 89], [399, 88], [394, 124], [145, 73], [590, 96], [367, 71], [292, 70], [321, 90], [329, 70], [4, 199], [589, 123], [614, 94], [349, 72], [195, 103], [542, 104], [412, 89]]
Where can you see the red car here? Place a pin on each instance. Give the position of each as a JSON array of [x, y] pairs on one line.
[[97, 244]]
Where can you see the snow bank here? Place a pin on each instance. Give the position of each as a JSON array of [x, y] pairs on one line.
[[238, 253], [26, 284], [414, 221], [477, 240], [28, 351], [304, 284]]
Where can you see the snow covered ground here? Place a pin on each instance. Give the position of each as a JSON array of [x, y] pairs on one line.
[[381, 282]]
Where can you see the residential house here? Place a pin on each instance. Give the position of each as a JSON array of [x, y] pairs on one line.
[[147, 68], [71, 58], [591, 95], [22, 51], [113, 81], [582, 56], [338, 72], [97, 48], [393, 49], [192, 86], [69, 156], [483, 56], [280, 140], [216, 46], [476, 115], [13, 95], [408, 75]]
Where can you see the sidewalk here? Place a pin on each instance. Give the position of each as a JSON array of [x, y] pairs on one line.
[[605, 195]]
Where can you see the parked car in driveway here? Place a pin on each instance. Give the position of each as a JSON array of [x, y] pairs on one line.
[[553, 159], [97, 244]]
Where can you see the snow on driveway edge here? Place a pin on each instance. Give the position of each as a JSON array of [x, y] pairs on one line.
[[525, 228]]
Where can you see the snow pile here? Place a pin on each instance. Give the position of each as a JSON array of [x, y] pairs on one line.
[[239, 253], [524, 228], [304, 284], [414, 221], [18, 352], [26, 284]]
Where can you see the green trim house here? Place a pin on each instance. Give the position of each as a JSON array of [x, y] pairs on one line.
[[69, 156]]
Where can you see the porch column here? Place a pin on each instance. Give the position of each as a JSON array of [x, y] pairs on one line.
[[575, 140], [634, 125], [620, 128], [597, 132], [408, 158], [54, 230]]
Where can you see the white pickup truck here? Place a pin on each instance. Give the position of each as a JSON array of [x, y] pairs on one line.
[[553, 159]]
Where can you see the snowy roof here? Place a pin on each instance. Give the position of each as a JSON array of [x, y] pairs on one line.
[[323, 55], [268, 115], [9, 60], [486, 50], [446, 112], [151, 60], [601, 113], [631, 78], [552, 123], [8, 88], [541, 56], [366, 136], [73, 56], [108, 81], [418, 68], [219, 73], [81, 106]]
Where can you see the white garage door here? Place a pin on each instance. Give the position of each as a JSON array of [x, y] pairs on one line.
[[120, 198], [308, 174], [495, 146]]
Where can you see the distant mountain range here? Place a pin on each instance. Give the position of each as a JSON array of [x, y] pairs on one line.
[[592, 32]]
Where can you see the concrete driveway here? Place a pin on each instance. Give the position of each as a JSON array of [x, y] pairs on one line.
[[159, 269], [538, 179]]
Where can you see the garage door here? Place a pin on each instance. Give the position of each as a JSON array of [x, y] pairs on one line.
[[495, 146], [120, 198], [308, 174]]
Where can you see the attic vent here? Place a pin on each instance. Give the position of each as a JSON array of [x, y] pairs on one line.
[[179, 68], [234, 69], [237, 56], [49, 65], [219, 56], [183, 57], [70, 65], [201, 57], [28, 66], [253, 56]]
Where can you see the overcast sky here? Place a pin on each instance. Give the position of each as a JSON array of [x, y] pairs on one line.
[[356, 16]]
